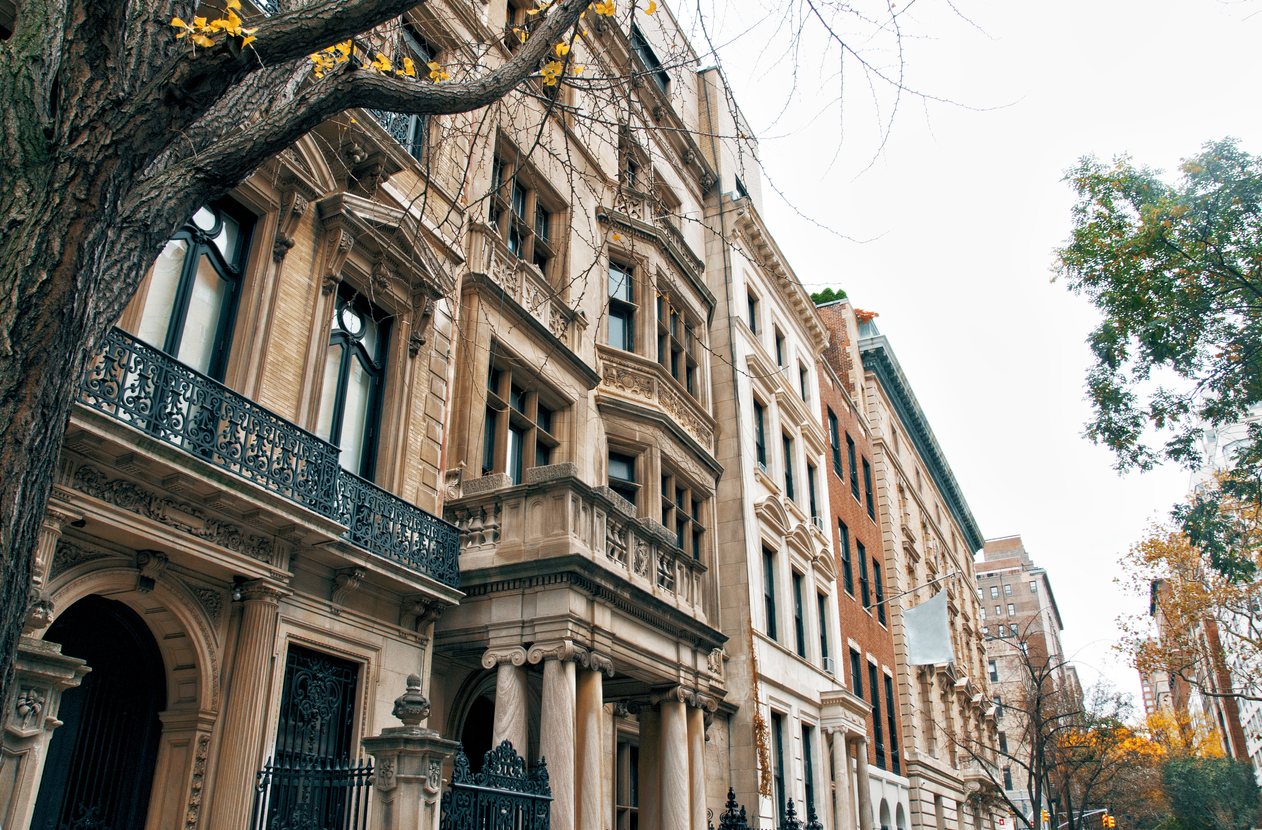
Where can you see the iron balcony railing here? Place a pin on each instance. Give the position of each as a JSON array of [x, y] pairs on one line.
[[153, 392]]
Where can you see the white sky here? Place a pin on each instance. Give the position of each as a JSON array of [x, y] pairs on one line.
[[964, 207]]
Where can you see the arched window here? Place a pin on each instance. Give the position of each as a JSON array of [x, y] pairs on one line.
[[194, 287], [354, 373]]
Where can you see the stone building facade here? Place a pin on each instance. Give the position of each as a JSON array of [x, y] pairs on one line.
[[1022, 624], [929, 536], [864, 661]]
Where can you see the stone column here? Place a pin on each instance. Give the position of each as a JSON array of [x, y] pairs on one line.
[[589, 750], [241, 739], [843, 809], [510, 697], [674, 763], [557, 732], [408, 764], [39, 612], [865, 784], [696, 766], [650, 767], [41, 674]]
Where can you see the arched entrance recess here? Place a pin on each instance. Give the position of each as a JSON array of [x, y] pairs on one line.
[[100, 766]]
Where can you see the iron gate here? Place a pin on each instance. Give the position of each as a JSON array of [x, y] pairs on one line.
[[502, 796], [312, 795]]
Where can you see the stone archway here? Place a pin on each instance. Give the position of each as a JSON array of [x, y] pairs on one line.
[[101, 762]]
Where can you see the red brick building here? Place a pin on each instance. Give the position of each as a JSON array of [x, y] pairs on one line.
[[864, 660]]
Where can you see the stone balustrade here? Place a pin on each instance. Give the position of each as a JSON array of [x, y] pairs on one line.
[[553, 514]]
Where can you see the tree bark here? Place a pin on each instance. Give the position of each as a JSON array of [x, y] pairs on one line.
[[93, 96]]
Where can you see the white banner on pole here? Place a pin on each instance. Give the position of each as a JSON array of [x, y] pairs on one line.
[[928, 632]]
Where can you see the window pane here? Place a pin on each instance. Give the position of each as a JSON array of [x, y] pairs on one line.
[[621, 467], [204, 218], [201, 324], [619, 282], [355, 416], [515, 440], [226, 241], [164, 281], [328, 393]]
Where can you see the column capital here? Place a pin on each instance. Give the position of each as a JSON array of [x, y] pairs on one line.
[[508, 654], [598, 663], [263, 591], [689, 697], [565, 651]]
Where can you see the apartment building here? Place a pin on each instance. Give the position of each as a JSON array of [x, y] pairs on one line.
[[864, 659], [929, 536], [1026, 660]]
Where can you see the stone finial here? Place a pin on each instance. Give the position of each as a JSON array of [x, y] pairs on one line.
[[411, 707]]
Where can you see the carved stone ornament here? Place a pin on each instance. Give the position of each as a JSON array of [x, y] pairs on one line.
[[182, 516], [293, 206], [412, 707], [715, 662], [512, 654], [212, 601], [453, 482], [194, 811], [69, 555], [385, 774], [434, 780], [337, 247], [421, 318], [39, 614], [345, 583], [150, 563], [418, 611], [28, 710], [599, 662]]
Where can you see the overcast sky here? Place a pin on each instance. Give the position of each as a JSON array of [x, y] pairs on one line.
[[961, 211]]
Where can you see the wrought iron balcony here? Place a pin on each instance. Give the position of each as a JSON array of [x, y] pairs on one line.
[[153, 392]]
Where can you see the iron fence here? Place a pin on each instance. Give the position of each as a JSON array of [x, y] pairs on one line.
[[312, 795], [502, 796]]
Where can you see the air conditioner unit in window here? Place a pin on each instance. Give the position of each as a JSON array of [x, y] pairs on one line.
[[830, 666]]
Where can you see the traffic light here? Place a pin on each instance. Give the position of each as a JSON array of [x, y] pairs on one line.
[[1108, 821], [1045, 817]]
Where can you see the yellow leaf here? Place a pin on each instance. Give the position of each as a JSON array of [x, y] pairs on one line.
[[579, 69], [652, 7], [562, 49], [409, 68], [180, 24], [247, 41], [533, 11], [199, 23], [234, 4], [616, 237], [202, 40], [382, 63]]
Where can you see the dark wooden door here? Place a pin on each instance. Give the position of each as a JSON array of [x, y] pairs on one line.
[[100, 766]]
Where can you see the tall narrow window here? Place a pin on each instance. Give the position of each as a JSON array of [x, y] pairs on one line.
[[808, 767], [682, 508], [788, 467], [412, 131], [810, 490], [854, 469], [867, 489], [856, 677], [621, 306], [863, 575], [194, 285], [354, 374], [622, 476], [847, 578], [877, 731], [753, 312], [779, 348], [760, 434], [777, 740], [769, 590], [835, 437], [640, 45], [892, 718], [803, 381], [880, 591], [799, 617], [627, 785], [994, 671], [823, 630], [1007, 778], [520, 422], [676, 343]]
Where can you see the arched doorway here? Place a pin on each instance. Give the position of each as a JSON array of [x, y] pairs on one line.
[[478, 732], [99, 771]]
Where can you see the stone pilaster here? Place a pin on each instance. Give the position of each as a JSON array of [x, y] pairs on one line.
[[510, 697], [42, 673], [241, 741]]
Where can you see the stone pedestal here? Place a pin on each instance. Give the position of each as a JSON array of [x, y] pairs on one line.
[[42, 673], [408, 767]]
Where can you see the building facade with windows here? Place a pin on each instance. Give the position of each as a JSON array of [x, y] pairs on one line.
[[1026, 660], [929, 535], [865, 662], [776, 568]]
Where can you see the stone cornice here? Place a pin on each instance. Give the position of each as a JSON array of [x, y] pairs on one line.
[[879, 359], [688, 263]]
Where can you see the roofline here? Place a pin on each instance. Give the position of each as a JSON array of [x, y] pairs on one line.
[[878, 358]]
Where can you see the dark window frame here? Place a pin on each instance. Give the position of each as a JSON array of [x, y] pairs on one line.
[[854, 470], [847, 574], [349, 299], [769, 591], [865, 593], [799, 616]]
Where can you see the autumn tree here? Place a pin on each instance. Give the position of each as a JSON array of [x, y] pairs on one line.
[[1176, 272], [1209, 621]]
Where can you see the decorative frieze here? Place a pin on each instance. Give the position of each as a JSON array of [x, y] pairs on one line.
[[181, 516], [649, 383], [68, 555]]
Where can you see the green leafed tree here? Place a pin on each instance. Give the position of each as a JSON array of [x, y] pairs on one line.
[[1176, 273], [828, 295], [1211, 793]]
